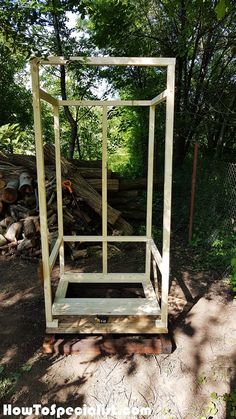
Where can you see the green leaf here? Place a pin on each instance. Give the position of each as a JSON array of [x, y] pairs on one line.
[[2, 367], [220, 9]]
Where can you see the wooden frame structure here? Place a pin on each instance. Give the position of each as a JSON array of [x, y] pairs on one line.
[[125, 315]]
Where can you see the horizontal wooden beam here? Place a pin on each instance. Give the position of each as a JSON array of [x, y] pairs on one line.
[[48, 98], [109, 61], [159, 98], [116, 325], [101, 238], [105, 306], [85, 277], [104, 102]]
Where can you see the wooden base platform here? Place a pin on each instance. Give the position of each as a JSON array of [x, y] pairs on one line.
[[105, 345], [114, 325]]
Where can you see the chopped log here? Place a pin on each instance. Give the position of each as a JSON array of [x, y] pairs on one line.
[[112, 184], [81, 187], [3, 240], [1, 175], [6, 222], [25, 183], [126, 185], [24, 244], [29, 228], [92, 172], [10, 192], [79, 254], [13, 231], [36, 224], [124, 227], [86, 163], [2, 183]]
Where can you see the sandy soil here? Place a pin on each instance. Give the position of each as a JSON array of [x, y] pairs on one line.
[[189, 383]]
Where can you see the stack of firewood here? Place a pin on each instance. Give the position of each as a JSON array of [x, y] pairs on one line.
[[82, 210]]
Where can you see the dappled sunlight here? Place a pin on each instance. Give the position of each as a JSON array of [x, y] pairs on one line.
[[9, 299]]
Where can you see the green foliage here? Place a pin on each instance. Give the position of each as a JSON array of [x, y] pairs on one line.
[[125, 143], [8, 381], [14, 140], [230, 400]]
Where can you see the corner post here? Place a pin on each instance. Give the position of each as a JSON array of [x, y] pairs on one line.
[[104, 190], [59, 185], [150, 188], [41, 189], [167, 191]]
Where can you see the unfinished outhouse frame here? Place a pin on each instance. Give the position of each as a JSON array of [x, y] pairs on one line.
[[127, 315]]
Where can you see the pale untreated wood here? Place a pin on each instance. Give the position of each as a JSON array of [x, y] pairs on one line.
[[14, 231], [41, 190], [110, 61], [48, 98], [167, 192], [117, 307], [159, 98], [150, 186], [106, 306]]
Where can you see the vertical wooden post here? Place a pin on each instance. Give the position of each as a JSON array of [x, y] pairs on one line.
[[193, 190], [167, 192], [41, 190], [104, 190], [59, 185], [150, 187]]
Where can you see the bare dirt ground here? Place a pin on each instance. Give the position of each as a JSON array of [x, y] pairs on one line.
[[189, 383]]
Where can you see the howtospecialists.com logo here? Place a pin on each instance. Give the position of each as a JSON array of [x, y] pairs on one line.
[[58, 411]]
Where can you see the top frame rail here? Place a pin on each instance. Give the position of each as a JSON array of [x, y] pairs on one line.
[[109, 61]]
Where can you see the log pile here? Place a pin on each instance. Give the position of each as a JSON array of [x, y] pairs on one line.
[[82, 210]]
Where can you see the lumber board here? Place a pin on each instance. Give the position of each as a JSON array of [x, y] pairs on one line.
[[110, 61], [105, 306]]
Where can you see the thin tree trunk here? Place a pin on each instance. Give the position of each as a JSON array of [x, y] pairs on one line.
[[73, 123]]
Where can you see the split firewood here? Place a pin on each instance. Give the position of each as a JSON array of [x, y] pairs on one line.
[[25, 181], [29, 229], [24, 244], [2, 183], [3, 240], [82, 188], [112, 184], [79, 254], [14, 231], [36, 224], [10, 192], [6, 222]]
